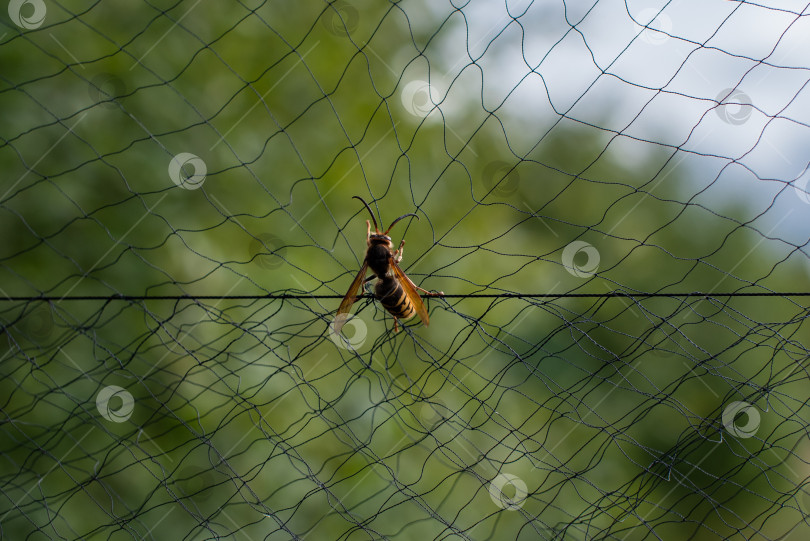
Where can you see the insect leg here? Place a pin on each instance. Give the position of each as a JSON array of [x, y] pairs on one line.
[[398, 257], [425, 291], [367, 280], [399, 251], [430, 293]]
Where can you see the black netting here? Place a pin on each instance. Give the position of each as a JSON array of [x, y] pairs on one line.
[[613, 197]]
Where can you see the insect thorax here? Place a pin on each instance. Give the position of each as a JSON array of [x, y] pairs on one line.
[[378, 256]]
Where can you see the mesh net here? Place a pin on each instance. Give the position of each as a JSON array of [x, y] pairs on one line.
[[612, 196]]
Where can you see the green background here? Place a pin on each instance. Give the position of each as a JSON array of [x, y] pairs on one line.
[[249, 418]]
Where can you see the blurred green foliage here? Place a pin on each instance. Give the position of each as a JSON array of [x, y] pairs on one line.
[[248, 415]]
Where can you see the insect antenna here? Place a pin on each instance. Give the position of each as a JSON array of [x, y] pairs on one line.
[[373, 219], [398, 219]]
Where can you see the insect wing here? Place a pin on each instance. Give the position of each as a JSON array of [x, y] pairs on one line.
[[349, 299], [410, 291]]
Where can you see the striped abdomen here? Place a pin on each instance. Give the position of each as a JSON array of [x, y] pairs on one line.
[[390, 293]]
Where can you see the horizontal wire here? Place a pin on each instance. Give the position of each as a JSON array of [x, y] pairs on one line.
[[611, 294]]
